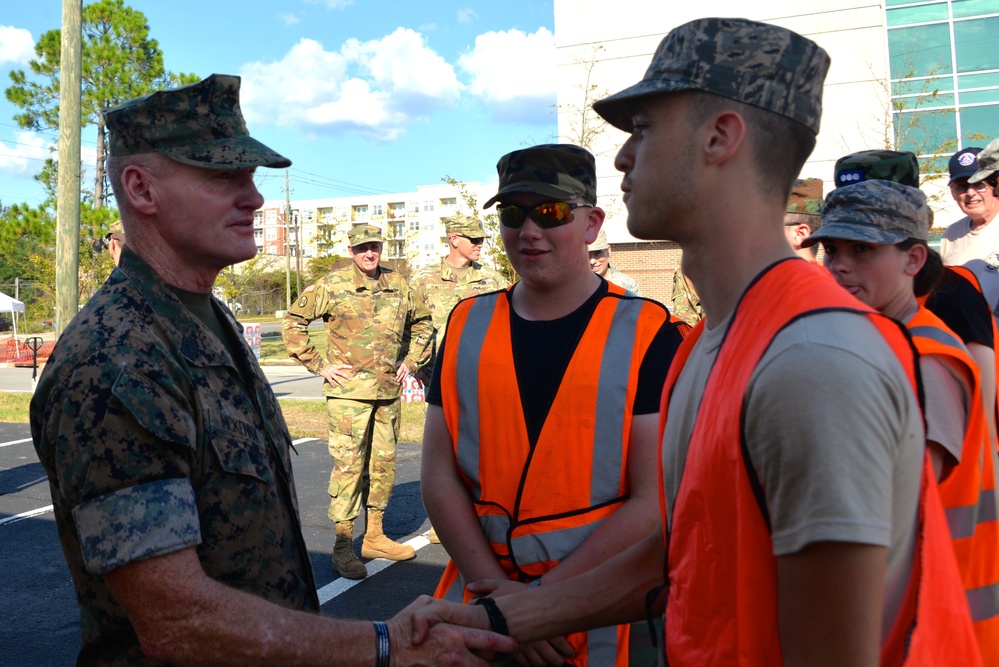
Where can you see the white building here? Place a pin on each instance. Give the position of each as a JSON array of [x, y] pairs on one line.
[[920, 76], [411, 221]]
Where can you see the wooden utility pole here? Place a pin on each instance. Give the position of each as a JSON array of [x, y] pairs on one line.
[[287, 242], [68, 198]]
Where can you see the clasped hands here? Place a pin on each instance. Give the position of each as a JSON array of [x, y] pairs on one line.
[[426, 615]]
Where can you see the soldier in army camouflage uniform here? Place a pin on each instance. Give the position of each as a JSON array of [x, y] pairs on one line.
[[600, 252], [686, 303], [166, 452], [114, 240], [459, 275], [802, 216], [370, 315]]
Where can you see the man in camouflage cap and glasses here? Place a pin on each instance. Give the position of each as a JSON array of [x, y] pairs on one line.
[[378, 333], [167, 455], [536, 389], [788, 535]]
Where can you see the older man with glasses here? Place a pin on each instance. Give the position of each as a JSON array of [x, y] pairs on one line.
[[539, 450], [973, 241]]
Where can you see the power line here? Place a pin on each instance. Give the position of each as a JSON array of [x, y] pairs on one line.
[[355, 186]]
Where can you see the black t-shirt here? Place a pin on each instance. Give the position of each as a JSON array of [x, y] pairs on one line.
[[542, 350], [963, 308]]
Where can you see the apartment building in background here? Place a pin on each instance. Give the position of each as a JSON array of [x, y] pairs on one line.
[[412, 222]]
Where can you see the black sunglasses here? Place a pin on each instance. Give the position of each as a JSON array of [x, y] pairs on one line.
[[474, 240], [547, 215]]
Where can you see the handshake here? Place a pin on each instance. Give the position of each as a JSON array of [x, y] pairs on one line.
[[439, 632]]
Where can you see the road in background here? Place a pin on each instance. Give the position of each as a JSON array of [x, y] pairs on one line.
[[38, 601]]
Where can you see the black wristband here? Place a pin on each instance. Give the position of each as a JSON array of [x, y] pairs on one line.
[[497, 622], [382, 645]]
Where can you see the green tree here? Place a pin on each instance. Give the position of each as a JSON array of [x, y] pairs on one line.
[[494, 250], [120, 62]]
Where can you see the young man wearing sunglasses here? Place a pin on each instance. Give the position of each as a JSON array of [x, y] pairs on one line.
[[540, 438], [973, 241]]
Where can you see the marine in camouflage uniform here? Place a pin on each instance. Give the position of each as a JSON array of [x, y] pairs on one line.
[[158, 433], [458, 276], [369, 320], [600, 263]]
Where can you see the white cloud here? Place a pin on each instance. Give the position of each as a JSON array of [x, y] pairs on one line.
[[514, 73], [467, 15], [376, 88], [16, 45], [25, 154], [289, 19]]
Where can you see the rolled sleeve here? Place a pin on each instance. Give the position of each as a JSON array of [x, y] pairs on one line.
[[138, 522]]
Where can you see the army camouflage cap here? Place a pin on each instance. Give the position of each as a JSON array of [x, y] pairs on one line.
[[559, 172], [465, 225], [600, 243], [898, 166], [874, 211], [988, 162], [763, 65], [116, 230], [198, 125], [364, 234], [806, 197], [963, 163]]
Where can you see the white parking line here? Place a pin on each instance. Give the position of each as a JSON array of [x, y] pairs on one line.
[[26, 515], [14, 442], [342, 585]]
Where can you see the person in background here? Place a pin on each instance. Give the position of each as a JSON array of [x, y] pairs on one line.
[[114, 240], [600, 253], [875, 236], [378, 333], [802, 216]]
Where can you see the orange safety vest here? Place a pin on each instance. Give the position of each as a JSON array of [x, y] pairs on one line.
[[537, 504], [722, 575], [968, 493]]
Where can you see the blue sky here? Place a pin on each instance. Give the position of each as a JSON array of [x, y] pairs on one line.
[[362, 95]]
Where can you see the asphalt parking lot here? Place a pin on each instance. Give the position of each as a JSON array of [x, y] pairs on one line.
[[42, 626]]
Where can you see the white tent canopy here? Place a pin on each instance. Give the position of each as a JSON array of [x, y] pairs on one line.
[[9, 304]]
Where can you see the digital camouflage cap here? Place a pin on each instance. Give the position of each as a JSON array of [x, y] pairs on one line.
[[988, 162], [559, 172], [806, 197], [364, 234], [600, 243], [465, 225], [763, 65], [874, 211], [198, 125], [884, 165]]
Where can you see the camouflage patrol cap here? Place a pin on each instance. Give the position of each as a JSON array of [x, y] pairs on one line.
[[763, 65], [988, 162], [874, 211], [116, 229], [963, 163], [198, 125], [806, 197], [559, 172], [600, 243], [465, 225], [364, 234], [898, 166]]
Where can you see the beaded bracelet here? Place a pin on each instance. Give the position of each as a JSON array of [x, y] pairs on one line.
[[497, 622], [382, 645]]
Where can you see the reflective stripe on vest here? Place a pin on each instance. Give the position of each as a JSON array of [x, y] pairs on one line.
[[968, 493], [722, 598]]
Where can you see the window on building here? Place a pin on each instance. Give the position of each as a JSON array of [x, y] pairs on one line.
[[448, 203], [258, 218], [360, 213], [271, 216], [428, 206], [272, 233], [945, 75], [414, 225]]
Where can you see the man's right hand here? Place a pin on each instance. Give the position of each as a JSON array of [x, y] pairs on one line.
[[427, 621], [338, 374]]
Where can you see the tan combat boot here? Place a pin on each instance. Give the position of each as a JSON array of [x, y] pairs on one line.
[[345, 561], [376, 545]]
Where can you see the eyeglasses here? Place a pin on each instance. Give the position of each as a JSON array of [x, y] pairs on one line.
[[547, 215], [474, 240], [958, 187]]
